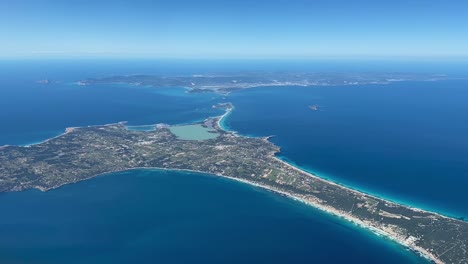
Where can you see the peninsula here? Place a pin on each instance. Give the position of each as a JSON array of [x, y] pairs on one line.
[[85, 152]]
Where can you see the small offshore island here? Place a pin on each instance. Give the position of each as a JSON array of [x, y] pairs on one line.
[[86, 152]]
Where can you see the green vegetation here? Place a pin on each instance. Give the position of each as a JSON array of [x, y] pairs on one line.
[[86, 152]]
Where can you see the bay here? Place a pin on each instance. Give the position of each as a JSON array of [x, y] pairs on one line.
[[405, 141], [153, 216]]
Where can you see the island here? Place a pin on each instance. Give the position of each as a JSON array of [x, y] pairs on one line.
[[314, 107], [232, 82], [45, 81], [85, 152]]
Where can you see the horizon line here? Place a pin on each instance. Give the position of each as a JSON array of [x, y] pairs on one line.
[[459, 58]]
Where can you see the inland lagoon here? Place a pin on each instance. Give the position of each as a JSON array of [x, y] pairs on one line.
[[193, 132], [350, 130]]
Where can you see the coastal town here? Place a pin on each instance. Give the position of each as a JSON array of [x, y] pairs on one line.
[[85, 152]]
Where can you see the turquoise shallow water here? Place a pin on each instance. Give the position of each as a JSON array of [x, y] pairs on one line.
[[376, 138], [406, 141], [173, 217], [193, 132], [31, 112]]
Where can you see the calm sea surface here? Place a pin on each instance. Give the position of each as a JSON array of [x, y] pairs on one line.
[[407, 141], [173, 217]]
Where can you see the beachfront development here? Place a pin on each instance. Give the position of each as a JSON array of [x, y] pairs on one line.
[[86, 152]]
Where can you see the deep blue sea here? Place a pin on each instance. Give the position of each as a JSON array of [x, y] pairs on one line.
[[174, 217], [406, 141]]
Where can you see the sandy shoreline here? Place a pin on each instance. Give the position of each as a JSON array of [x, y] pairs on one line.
[[314, 203], [328, 209], [423, 252], [67, 130], [359, 192], [223, 116]]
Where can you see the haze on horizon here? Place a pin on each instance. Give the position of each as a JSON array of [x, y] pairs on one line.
[[233, 29]]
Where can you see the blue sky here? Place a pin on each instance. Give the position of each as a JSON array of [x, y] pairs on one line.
[[234, 29]]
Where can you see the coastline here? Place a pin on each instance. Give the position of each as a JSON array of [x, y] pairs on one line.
[[394, 200], [67, 131], [330, 210], [421, 206], [423, 252], [314, 203], [221, 118], [326, 209]]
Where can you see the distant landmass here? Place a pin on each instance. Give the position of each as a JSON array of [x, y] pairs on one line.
[[86, 152], [228, 83]]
